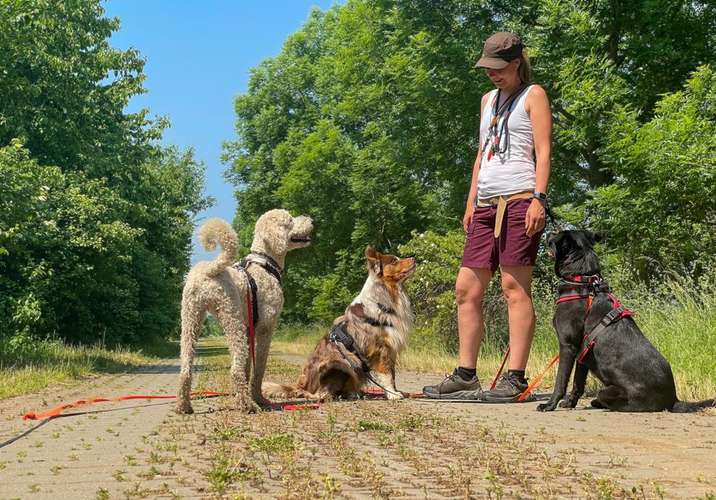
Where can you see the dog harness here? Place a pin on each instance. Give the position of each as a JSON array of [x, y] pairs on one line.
[[344, 341], [340, 337], [587, 288], [252, 303]]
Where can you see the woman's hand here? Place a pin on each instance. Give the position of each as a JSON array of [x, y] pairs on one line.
[[534, 220], [467, 218]]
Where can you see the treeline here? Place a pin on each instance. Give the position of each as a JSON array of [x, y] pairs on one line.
[[367, 121], [95, 215]]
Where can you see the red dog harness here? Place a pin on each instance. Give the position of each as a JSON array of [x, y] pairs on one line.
[[587, 288]]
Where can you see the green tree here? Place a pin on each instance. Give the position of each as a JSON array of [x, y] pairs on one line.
[[660, 212], [394, 84], [96, 217]]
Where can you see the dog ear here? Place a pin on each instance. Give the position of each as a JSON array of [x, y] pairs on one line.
[[593, 237], [375, 264], [552, 240]]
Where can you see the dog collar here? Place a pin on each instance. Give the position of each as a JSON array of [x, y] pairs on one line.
[[271, 261], [264, 261], [581, 279]]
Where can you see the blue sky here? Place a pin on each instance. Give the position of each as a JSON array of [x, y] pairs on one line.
[[198, 58]]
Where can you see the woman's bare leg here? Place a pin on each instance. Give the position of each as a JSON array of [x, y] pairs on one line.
[[516, 286], [469, 292]]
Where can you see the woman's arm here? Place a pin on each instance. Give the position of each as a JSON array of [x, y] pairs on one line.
[[537, 106], [470, 208]]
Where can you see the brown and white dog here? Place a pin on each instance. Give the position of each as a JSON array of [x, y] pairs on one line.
[[378, 320]]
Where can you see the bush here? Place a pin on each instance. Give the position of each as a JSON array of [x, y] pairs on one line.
[[432, 291]]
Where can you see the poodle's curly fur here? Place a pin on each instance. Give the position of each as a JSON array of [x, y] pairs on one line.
[[220, 289]]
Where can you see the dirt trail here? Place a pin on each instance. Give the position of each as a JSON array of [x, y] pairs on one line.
[[356, 449]]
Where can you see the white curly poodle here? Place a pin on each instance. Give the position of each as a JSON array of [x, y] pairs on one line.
[[220, 288]]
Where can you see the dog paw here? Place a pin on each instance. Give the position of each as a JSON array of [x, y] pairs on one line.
[[184, 408], [393, 395], [597, 404], [546, 406], [263, 402], [245, 404], [568, 403]]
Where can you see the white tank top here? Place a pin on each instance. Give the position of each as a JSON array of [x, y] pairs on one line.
[[514, 170]]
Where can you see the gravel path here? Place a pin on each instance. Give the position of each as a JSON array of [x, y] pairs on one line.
[[82, 454], [356, 449]]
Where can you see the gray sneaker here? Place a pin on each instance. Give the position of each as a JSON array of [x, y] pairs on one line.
[[507, 390], [454, 387]]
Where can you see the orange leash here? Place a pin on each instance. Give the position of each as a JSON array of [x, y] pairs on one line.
[[375, 393], [537, 380], [58, 410]]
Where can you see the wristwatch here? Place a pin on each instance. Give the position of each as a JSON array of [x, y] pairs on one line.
[[542, 197]]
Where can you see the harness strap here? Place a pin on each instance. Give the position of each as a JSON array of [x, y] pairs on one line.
[[590, 338], [252, 307], [264, 261], [270, 260], [583, 287], [343, 340], [385, 309], [252, 311], [375, 322], [341, 337]]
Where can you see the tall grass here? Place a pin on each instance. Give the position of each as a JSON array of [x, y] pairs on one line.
[[33, 366], [680, 321]]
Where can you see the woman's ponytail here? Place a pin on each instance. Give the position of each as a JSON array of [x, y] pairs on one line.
[[525, 69]]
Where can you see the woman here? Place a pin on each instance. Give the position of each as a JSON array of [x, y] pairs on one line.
[[504, 218]]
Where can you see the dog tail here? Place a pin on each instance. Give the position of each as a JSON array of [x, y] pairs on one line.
[[283, 391], [217, 231], [692, 406]]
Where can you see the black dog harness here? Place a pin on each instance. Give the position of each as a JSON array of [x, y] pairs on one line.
[[269, 264], [340, 336], [344, 341], [587, 288]]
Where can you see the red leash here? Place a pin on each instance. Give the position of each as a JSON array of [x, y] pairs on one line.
[[502, 367], [252, 334], [59, 410]]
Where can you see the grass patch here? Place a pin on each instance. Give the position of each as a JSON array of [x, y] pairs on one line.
[[274, 443], [44, 363], [373, 425]]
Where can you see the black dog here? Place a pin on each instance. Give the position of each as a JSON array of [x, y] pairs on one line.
[[598, 333]]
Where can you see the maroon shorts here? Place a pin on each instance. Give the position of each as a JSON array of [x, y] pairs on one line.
[[512, 248]]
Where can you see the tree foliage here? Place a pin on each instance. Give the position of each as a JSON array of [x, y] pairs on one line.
[[95, 217], [367, 122], [661, 209]]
